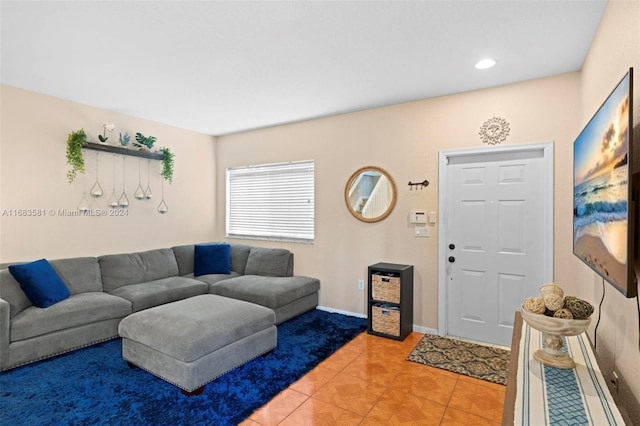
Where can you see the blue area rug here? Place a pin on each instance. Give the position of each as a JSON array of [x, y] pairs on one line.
[[94, 386]]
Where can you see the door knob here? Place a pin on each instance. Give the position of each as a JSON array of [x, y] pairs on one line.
[[452, 259], [452, 246]]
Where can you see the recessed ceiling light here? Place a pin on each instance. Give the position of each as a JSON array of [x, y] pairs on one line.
[[485, 63]]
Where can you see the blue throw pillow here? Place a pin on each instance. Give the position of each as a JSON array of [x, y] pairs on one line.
[[40, 283], [212, 259]]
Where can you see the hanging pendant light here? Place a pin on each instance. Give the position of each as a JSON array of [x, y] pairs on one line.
[[96, 189], [147, 192], [123, 201], [162, 207], [139, 194], [83, 205], [113, 199]]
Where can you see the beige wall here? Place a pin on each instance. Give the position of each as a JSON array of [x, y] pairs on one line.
[[33, 176], [615, 48], [405, 140]]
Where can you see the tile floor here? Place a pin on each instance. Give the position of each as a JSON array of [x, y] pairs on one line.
[[369, 382]]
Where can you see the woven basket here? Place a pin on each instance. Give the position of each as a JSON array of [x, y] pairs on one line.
[[385, 320], [386, 289]]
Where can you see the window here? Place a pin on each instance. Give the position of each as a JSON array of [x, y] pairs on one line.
[[271, 201]]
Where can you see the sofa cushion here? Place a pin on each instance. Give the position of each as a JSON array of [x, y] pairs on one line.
[[214, 278], [239, 256], [134, 268], [80, 274], [77, 310], [158, 292], [184, 258], [212, 258], [40, 282], [11, 292], [269, 262], [272, 292]]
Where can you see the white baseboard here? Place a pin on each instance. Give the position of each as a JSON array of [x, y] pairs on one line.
[[338, 311], [425, 330], [416, 328]]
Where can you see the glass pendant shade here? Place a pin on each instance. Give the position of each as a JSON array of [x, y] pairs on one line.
[[83, 206], [96, 189], [123, 201], [147, 192], [162, 207], [139, 193], [113, 200]]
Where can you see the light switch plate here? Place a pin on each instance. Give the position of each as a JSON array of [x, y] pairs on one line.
[[433, 217]]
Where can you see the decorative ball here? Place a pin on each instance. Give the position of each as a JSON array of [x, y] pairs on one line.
[[553, 302], [563, 313], [534, 305], [580, 309], [551, 288], [567, 298]]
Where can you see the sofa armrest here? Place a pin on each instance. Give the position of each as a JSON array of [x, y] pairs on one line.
[[5, 336]]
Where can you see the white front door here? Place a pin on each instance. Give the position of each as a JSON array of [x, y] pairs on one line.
[[498, 207]]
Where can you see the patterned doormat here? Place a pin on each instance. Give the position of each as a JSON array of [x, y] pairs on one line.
[[482, 362]]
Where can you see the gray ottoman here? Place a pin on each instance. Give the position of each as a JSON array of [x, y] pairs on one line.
[[193, 341]]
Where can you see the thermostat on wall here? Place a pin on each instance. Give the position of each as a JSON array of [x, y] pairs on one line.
[[417, 216]]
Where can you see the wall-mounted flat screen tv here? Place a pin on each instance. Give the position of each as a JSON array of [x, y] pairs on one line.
[[604, 208]]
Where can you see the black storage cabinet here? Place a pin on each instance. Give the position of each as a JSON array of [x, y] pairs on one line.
[[390, 300]]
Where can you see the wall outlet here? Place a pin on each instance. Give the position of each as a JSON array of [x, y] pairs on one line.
[[615, 380], [361, 285]]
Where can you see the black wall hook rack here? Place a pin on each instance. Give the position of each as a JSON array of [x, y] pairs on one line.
[[422, 184]]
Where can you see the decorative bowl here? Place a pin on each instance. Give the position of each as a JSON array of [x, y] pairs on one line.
[[554, 329]]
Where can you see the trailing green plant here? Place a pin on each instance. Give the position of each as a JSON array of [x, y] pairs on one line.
[[75, 141], [167, 164], [141, 141]]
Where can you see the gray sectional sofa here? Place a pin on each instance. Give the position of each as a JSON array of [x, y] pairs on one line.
[[104, 290]]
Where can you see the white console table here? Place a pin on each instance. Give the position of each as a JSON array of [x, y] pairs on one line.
[[541, 395]]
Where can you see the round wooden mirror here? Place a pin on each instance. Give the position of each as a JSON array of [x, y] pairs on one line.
[[370, 194]]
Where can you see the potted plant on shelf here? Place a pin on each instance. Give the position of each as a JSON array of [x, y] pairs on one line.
[[107, 127], [144, 143], [124, 139], [75, 142], [167, 164]]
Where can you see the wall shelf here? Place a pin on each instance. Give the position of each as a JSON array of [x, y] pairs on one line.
[[123, 151]]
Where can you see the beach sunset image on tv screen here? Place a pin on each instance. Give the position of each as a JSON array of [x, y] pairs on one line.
[[600, 192]]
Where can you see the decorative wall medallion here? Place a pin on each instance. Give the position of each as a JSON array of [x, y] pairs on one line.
[[494, 130]]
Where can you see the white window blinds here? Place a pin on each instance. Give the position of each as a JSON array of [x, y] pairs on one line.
[[271, 201]]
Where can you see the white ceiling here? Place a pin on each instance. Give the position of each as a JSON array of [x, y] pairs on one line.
[[222, 67]]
